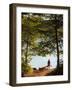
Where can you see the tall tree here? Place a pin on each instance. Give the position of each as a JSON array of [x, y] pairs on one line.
[[29, 22], [53, 40]]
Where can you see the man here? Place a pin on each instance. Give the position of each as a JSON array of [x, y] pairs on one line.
[[48, 62]]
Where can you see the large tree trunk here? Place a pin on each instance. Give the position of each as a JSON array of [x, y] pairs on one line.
[[27, 43], [26, 54], [57, 45]]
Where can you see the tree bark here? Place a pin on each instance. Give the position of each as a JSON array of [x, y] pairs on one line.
[[27, 44], [57, 45]]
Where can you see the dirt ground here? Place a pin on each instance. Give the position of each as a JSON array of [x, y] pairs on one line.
[[43, 72]]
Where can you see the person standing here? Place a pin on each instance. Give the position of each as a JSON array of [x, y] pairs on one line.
[[49, 63]]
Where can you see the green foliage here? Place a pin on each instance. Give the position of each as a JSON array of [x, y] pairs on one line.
[[39, 36], [26, 68]]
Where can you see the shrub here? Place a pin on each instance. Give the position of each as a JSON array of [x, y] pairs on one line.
[[26, 68]]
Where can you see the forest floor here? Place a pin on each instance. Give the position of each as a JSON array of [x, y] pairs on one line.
[[45, 72]]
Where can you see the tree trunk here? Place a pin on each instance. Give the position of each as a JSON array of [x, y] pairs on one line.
[[57, 45], [26, 54], [27, 44]]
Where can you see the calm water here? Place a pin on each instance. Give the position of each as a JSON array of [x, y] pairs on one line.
[[39, 61]]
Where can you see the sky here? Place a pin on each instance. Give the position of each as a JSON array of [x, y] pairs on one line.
[[39, 61]]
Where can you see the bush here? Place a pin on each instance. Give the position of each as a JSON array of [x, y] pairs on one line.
[[27, 68]]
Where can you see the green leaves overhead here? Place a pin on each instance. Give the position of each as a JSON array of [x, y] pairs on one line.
[[39, 35]]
